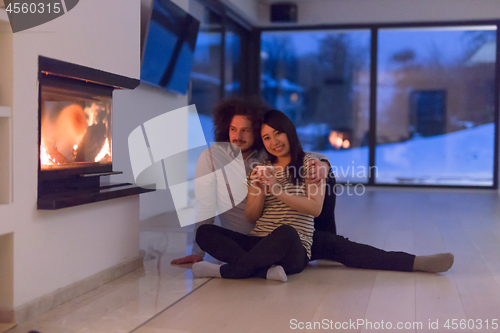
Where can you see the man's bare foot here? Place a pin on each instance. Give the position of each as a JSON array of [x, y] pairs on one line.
[[187, 260]]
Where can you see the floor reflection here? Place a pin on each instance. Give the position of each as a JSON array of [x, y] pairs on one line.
[[128, 302]]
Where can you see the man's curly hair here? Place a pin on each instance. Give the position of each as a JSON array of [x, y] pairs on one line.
[[253, 108]]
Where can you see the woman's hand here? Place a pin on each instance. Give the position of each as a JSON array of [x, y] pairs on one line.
[[257, 182], [268, 177]]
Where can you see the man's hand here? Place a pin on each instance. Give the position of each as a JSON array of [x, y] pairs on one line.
[[187, 260], [318, 171]]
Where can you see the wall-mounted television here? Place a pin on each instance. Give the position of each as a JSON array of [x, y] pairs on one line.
[[169, 47]]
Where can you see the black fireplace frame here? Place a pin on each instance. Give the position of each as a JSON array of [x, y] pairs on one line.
[[66, 187]]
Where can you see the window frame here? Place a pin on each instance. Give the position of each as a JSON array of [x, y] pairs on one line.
[[228, 16]]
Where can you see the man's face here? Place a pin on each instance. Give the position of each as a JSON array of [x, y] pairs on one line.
[[241, 132]]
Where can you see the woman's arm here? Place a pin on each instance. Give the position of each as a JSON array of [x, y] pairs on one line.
[[310, 204], [255, 198], [255, 204]]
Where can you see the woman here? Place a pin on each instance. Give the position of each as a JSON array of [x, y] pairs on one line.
[[281, 206]]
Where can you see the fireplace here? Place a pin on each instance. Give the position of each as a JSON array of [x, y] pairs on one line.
[[75, 134]]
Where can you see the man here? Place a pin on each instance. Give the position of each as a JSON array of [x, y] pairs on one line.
[[239, 122]]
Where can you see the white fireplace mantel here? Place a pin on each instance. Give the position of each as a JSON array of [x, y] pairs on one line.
[[54, 244]]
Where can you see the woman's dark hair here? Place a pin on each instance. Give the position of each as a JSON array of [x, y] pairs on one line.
[[281, 123], [253, 108]]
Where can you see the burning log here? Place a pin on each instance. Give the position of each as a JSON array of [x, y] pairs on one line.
[[92, 143]]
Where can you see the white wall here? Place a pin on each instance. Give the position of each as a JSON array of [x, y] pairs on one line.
[[133, 108], [313, 12], [53, 249], [248, 9]]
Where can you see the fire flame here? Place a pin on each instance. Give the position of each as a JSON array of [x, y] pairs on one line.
[[104, 151], [337, 140], [61, 138], [91, 113], [45, 158]]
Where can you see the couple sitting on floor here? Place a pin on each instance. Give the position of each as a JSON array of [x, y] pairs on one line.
[[274, 231]]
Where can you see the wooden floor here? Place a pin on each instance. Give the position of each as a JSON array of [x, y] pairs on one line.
[[418, 221], [164, 298]]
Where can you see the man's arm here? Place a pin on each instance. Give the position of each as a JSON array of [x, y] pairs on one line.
[[205, 187], [319, 168]]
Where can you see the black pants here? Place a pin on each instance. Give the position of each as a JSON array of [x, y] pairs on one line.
[[329, 246], [251, 256]]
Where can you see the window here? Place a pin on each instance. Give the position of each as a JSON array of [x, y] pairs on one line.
[[205, 76], [233, 70], [219, 38], [435, 106], [427, 119], [321, 81]]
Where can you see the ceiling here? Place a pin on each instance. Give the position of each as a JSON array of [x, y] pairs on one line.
[[268, 2]]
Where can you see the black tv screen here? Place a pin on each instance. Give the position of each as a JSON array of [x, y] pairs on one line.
[[169, 48]]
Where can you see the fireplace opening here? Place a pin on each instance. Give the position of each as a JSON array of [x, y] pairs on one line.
[[75, 127]]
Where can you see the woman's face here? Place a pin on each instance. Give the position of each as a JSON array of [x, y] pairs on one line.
[[276, 143]]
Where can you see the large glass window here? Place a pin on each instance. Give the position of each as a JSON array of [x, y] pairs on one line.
[[321, 81], [435, 106]]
